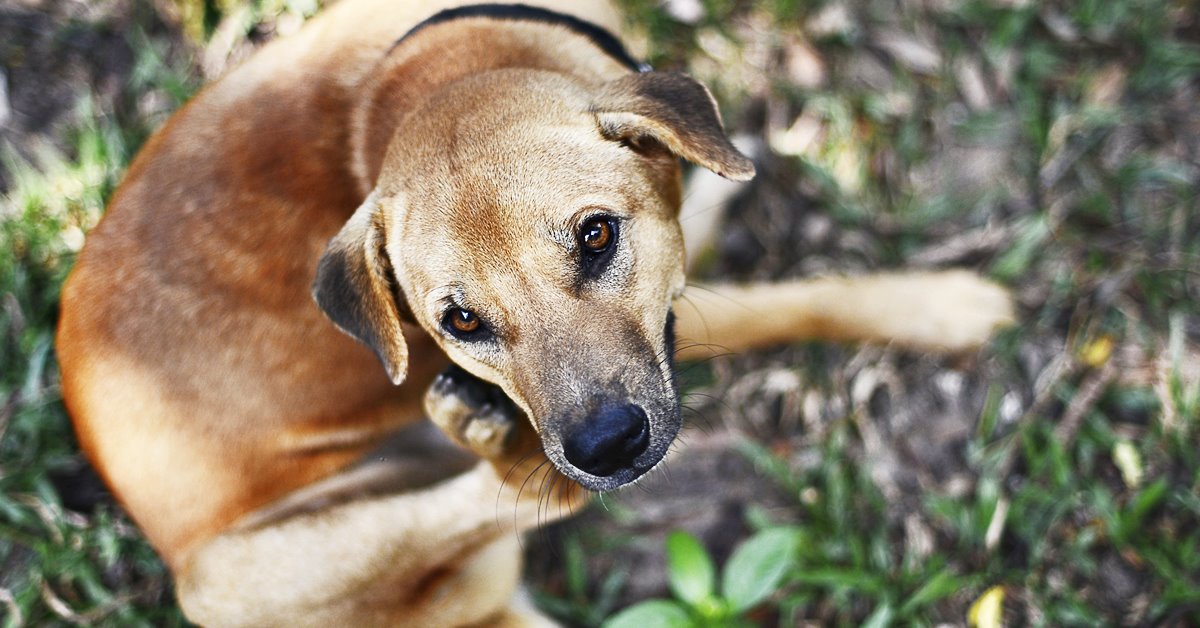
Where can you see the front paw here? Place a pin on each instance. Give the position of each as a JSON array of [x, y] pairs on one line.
[[480, 417], [473, 413]]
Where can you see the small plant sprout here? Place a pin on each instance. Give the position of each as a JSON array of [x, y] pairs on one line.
[[753, 573]]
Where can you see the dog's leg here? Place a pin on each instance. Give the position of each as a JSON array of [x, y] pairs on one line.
[[442, 556], [409, 559], [942, 311]]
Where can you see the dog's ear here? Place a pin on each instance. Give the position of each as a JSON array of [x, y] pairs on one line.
[[675, 111], [357, 289]]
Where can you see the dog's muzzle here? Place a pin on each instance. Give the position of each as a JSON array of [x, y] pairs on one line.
[[612, 439]]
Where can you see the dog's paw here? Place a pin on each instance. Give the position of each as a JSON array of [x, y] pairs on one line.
[[473, 413], [480, 417], [961, 310]]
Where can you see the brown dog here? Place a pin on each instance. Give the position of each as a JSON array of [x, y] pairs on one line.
[[517, 193]]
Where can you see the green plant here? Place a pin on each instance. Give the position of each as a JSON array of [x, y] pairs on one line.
[[753, 573], [578, 606]]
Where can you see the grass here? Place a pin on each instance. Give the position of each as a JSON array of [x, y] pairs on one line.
[[58, 564], [62, 565], [1068, 170]]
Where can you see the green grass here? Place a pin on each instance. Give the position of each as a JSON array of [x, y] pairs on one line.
[[1100, 243], [58, 564], [61, 565]]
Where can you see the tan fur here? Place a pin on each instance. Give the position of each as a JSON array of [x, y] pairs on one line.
[[241, 429]]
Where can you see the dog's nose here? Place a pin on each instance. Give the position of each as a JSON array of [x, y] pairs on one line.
[[610, 440]]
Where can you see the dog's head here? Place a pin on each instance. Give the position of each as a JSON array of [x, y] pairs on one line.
[[529, 224]]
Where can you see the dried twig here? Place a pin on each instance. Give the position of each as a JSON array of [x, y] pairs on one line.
[[1089, 392], [957, 248], [996, 526], [15, 617], [1061, 369], [60, 606]]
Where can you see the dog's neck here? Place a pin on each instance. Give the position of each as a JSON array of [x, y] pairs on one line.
[[521, 12], [463, 46]]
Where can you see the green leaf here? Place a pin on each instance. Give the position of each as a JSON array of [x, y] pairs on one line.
[[1017, 260], [689, 569], [575, 566], [1145, 501], [853, 579], [881, 617], [942, 584], [757, 567], [651, 614]]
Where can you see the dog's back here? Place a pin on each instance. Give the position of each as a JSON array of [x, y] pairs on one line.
[[202, 380]]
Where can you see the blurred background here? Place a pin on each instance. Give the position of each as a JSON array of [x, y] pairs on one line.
[[1052, 478]]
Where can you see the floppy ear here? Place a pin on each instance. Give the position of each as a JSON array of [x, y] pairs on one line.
[[674, 110], [357, 289]]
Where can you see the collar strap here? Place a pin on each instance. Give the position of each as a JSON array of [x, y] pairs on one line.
[[598, 36]]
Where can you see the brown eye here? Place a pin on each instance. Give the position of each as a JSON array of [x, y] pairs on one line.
[[596, 234], [461, 323]]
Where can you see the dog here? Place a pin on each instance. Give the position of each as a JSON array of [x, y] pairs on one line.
[[484, 199]]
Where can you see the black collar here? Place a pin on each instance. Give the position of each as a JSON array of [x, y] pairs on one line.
[[602, 38]]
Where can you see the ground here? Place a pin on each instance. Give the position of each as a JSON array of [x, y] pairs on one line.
[[1054, 147]]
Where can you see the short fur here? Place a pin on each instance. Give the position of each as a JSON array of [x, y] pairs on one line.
[[281, 473]]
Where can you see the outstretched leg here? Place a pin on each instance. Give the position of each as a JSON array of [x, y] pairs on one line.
[[942, 311]]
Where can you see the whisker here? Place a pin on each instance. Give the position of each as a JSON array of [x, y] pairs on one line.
[[549, 478], [516, 505], [504, 482]]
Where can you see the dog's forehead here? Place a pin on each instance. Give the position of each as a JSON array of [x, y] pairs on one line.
[[508, 184], [505, 130], [477, 235], [529, 158]]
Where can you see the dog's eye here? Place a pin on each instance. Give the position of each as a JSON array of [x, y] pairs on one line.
[[597, 241], [463, 324], [596, 235]]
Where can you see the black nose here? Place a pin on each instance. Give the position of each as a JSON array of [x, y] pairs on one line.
[[610, 440]]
